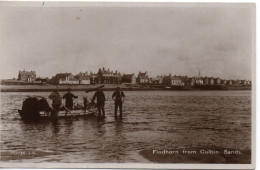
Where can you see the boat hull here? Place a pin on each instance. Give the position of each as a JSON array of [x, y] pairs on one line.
[[61, 115]]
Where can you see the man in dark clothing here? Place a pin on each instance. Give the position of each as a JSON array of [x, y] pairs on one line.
[[85, 103], [100, 96], [118, 96], [56, 102], [69, 99]]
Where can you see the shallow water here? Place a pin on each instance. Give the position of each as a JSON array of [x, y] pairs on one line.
[[151, 120]]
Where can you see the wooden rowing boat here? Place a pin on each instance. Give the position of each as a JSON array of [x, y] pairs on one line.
[[75, 113], [37, 108]]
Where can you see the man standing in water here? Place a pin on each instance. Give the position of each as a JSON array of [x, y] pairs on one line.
[[69, 99], [100, 96], [56, 102], [118, 96]]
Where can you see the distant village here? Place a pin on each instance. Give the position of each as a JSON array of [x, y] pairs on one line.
[[107, 76]]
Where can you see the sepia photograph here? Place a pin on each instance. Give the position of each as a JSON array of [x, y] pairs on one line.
[[127, 85]]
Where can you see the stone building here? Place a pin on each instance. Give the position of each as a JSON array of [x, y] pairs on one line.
[[27, 76], [129, 78], [142, 78]]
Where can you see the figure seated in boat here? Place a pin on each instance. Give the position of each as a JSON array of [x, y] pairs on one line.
[[87, 105], [32, 106]]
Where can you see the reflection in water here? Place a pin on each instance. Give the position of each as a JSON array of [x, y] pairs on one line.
[[119, 125], [157, 119], [55, 127], [68, 126], [121, 140], [100, 127]]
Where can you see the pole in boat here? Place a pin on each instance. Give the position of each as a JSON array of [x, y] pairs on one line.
[[69, 112], [66, 109], [91, 111], [94, 89]]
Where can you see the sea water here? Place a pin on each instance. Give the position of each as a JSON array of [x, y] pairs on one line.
[[151, 120]]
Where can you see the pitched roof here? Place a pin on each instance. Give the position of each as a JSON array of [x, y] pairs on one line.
[[84, 78], [143, 77], [104, 71], [62, 75], [93, 75], [28, 73], [142, 74], [156, 78], [109, 73], [183, 78], [72, 79], [82, 74], [128, 76], [168, 77], [198, 78]]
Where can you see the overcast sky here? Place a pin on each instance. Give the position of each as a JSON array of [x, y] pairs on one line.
[[161, 40]]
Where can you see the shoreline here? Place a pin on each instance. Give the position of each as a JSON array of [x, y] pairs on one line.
[[110, 87]]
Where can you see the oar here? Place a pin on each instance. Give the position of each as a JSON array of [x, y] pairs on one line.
[[66, 109], [69, 112], [36, 96], [93, 89], [86, 109], [80, 106]]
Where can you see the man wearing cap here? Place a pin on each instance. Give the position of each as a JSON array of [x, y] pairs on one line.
[[100, 96], [69, 99], [118, 96], [56, 102]]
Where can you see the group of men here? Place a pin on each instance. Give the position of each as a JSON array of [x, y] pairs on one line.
[[118, 96]]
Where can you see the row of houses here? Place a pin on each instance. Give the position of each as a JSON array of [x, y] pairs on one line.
[[103, 76], [107, 76], [191, 81], [186, 81]]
